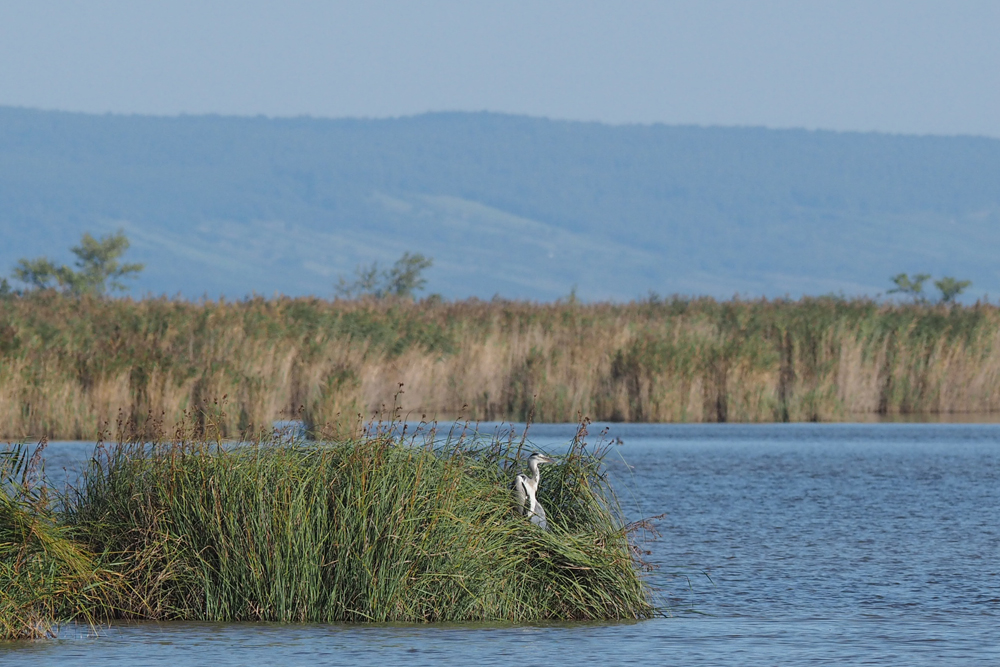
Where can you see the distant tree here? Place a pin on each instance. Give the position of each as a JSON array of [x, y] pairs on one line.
[[406, 275], [401, 280], [912, 287], [98, 268], [38, 273], [951, 288]]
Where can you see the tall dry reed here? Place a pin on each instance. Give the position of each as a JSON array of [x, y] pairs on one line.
[[69, 365]]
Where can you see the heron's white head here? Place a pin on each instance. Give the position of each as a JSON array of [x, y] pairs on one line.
[[538, 458]]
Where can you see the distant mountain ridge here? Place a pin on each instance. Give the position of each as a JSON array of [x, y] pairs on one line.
[[517, 206]]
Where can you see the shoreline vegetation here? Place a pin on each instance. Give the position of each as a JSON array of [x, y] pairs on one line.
[[70, 364], [385, 526]]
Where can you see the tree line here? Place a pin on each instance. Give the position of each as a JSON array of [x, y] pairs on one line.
[[100, 272]]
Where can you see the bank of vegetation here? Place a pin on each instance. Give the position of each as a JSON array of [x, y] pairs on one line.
[[382, 526], [70, 364]]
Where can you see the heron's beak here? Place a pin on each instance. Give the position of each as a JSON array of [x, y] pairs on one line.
[[546, 459]]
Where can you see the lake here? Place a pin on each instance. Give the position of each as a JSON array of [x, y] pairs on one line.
[[786, 544]]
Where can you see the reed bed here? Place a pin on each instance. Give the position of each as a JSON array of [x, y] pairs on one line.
[[69, 364], [387, 526]]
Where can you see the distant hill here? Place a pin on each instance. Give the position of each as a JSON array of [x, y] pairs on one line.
[[523, 207]]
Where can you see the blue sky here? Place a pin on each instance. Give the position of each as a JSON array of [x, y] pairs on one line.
[[907, 67]]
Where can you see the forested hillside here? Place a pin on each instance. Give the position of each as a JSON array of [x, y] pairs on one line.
[[523, 207]]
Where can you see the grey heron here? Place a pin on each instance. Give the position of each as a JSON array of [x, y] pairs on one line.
[[526, 491]]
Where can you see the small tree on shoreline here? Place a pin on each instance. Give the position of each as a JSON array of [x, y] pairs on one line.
[[913, 287], [951, 288], [401, 281], [98, 269]]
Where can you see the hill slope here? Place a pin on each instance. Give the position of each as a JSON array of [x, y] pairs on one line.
[[523, 207]]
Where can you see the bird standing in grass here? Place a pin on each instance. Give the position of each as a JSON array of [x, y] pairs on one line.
[[526, 491]]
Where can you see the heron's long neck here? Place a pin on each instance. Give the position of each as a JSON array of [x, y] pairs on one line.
[[535, 474]]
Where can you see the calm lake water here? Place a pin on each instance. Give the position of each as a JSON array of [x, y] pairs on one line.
[[873, 544]]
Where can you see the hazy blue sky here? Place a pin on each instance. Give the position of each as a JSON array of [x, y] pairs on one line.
[[897, 66]]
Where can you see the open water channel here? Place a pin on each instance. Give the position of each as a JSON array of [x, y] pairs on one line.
[[875, 544]]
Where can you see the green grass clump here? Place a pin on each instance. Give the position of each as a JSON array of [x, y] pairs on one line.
[[45, 576], [375, 528]]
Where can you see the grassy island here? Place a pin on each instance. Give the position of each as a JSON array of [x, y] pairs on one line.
[[385, 526]]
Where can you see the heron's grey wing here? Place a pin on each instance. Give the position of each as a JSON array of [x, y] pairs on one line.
[[521, 494], [538, 516]]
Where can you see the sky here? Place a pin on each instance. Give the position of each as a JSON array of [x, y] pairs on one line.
[[909, 66]]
